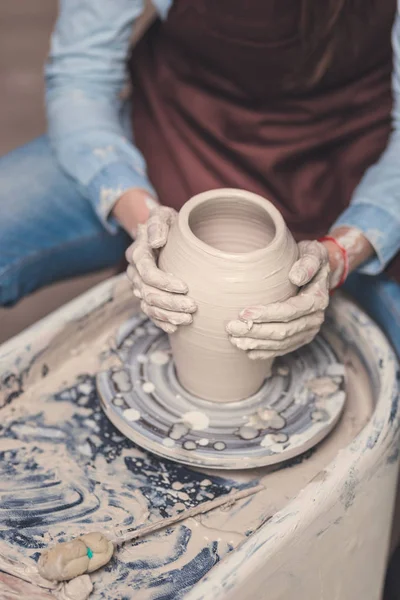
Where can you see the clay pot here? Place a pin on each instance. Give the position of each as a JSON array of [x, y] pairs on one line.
[[233, 250]]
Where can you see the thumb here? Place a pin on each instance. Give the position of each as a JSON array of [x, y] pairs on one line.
[[158, 226], [308, 265]]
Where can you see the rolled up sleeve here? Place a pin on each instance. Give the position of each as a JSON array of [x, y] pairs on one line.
[[375, 206], [85, 77]]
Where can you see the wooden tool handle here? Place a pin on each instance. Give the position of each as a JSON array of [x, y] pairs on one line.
[[130, 535]]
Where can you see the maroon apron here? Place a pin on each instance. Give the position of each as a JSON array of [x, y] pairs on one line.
[[215, 106]]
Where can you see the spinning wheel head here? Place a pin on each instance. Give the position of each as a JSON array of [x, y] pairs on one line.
[[294, 409]]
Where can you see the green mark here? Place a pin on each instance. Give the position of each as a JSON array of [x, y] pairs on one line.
[[89, 552]]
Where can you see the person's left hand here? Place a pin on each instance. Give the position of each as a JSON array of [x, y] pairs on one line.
[[282, 327]]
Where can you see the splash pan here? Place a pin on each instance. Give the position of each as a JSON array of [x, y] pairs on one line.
[[294, 409]]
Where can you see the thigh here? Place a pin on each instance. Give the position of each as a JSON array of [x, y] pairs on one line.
[[48, 229], [380, 298]]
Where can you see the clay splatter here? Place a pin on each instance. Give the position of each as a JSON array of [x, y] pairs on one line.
[[132, 414], [159, 358], [196, 420]]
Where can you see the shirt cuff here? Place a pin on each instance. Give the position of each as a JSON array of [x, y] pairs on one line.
[[380, 228], [107, 186]]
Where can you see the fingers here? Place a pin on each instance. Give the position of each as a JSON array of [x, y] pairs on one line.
[[313, 297], [162, 294], [159, 298], [312, 256], [167, 327], [268, 354], [153, 276], [283, 312], [275, 331], [158, 225], [166, 316], [132, 274], [171, 302], [145, 263], [128, 253], [278, 347], [304, 269]]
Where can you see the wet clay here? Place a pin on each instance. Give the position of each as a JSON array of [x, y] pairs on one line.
[[67, 560], [79, 588], [232, 249]]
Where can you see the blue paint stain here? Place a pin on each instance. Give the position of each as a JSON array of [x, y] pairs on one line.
[[348, 494], [177, 549], [175, 584], [395, 401], [393, 457], [373, 439]]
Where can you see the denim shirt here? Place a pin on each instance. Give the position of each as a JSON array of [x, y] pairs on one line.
[[87, 117]]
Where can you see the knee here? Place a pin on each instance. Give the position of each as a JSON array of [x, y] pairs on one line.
[[380, 298], [10, 290], [25, 174], [14, 243]]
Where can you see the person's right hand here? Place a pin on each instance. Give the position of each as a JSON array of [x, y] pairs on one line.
[[163, 296]]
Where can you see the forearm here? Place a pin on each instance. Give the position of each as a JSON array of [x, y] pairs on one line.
[[85, 77], [369, 229]]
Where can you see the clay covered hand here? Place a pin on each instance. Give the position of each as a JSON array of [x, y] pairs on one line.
[[163, 296], [282, 327]]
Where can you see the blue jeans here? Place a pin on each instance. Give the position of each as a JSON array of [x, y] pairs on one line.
[[48, 231]]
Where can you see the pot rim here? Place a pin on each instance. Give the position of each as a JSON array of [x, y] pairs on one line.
[[255, 199]]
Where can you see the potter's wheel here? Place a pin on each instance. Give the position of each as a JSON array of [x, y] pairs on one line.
[[293, 411]]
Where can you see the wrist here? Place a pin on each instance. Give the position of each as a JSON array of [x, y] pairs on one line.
[[133, 208], [357, 246], [338, 261]]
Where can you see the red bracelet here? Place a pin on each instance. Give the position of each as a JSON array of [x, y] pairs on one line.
[[329, 238]]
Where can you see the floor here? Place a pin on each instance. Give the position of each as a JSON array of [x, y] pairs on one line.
[[25, 28]]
